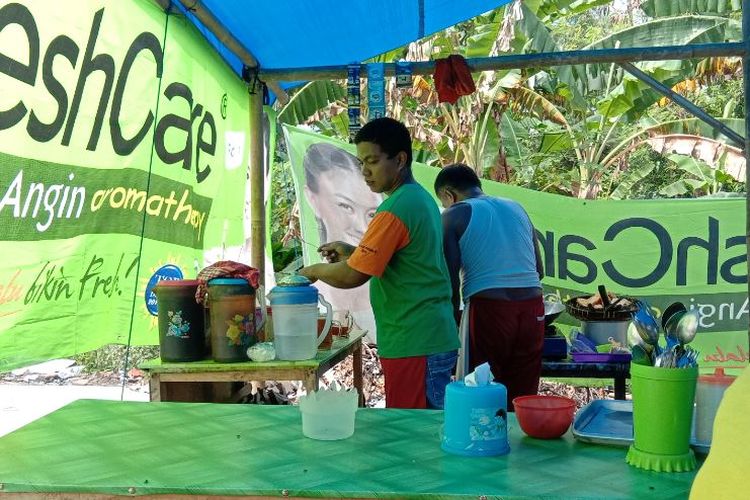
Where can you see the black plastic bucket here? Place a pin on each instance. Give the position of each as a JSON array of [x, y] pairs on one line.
[[181, 321]]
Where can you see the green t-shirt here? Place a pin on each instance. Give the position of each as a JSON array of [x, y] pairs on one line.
[[412, 298]]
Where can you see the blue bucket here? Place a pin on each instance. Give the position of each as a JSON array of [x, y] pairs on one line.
[[476, 422]]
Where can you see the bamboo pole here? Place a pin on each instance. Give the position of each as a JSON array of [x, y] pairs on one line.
[[213, 25], [516, 61], [257, 210]]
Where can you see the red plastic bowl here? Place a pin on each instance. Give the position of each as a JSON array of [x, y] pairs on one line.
[[544, 417]]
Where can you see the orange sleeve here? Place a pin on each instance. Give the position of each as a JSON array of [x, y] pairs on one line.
[[385, 235]]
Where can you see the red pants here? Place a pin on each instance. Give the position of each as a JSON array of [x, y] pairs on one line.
[[405, 382], [510, 336]]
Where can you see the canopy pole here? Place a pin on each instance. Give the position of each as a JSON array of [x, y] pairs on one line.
[[746, 85], [519, 61], [206, 17], [257, 180]]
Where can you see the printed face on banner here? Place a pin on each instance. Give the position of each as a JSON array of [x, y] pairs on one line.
[[341, 205]]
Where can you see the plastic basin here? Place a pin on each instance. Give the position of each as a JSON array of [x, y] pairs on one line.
[[328, 415], [544, 417]]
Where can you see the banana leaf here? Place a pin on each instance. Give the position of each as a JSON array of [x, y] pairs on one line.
[[309, 99], [669, 8]]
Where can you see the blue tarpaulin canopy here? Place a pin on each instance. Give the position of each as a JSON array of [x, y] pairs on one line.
[[292, 34]]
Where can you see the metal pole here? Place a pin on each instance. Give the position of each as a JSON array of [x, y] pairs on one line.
[[257, 211], [514, 61], [685, 103], [746, 85]]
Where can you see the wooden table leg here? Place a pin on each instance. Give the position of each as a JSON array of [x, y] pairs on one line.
[[311, 381], [620, 387], [357, 369], [154, 387]]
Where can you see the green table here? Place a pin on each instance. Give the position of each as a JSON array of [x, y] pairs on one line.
[[129, 448], [192, 381]]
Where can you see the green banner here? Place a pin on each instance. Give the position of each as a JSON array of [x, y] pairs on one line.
[[124, 148], [691, 250]]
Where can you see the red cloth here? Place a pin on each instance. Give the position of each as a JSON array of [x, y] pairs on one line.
[[225, 269], [405, 382], [453, 78], [510, 336]]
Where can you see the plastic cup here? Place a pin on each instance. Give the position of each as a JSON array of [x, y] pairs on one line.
[[329, 415], [662, 418]]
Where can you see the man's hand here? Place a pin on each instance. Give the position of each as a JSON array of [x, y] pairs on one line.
[[336, 251], [309, 273], [337, 274]]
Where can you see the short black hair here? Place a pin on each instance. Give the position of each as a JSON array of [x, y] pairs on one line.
[[322, 157], [391, 135], [457, 176]]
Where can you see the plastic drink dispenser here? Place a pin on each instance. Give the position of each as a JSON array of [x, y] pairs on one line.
[[708, 394], [294, 303], [233, 323], [476, 422]]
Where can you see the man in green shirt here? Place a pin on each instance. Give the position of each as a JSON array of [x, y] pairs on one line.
[[401, 254]]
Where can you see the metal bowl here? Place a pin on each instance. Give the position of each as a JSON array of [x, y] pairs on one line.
[[615, 312], [553, 308]]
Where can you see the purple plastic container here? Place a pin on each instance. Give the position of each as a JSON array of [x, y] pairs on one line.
[[600, 357]]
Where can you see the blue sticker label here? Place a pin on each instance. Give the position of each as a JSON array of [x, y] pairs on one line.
[[168, 272]]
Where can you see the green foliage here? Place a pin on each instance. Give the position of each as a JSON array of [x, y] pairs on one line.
[[724, 99], [283, 198], [647, 172], [112, 357], [664, 8], [309, 99], [577, 32]]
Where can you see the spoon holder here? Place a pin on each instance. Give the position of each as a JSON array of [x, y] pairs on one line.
[[662, 418]]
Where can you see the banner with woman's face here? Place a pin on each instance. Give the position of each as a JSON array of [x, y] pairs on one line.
[[335, 205]]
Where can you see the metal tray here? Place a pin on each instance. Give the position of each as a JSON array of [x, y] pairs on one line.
[[610, 422], [600, 357]]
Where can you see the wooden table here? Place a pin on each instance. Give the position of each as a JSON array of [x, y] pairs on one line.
[[99, 449], [192, 381], [567, 368]]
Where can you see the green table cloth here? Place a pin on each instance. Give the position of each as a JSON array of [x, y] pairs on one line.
[[106, 447]]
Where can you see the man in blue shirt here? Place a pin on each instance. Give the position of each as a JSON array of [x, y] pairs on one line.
[[494, 264]]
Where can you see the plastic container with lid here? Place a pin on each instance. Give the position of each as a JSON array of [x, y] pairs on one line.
[[476, 421], [181, 321], [231, 302], [295, 319], [708, 394]]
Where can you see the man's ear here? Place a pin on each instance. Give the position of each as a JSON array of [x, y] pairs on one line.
[[401, 157]]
